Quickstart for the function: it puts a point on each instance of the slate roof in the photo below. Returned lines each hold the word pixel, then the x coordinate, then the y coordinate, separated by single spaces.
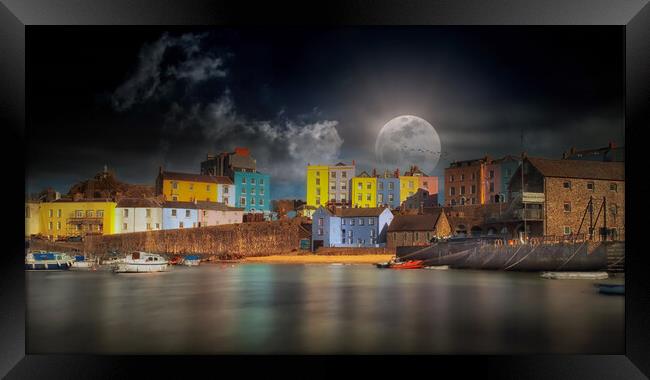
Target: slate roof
pixel 352 212
pixel 216 206
pixel 178 204
pixel 175 176
pixel 138 202
pixel 426 222
pixel 613 171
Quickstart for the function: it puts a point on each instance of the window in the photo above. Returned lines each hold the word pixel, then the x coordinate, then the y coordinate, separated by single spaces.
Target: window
pixel 187 213
pixel 333 196
pixel 380 198
pixel 567 206
pixel 50 214
pixel 381 185
pixel 350 234
pixel 157 226
pixel 317 174
pixel 410 184
pixel 243 190
pixel 491 187
pixel 343 196
pixel 333 174
pixel 320 231
pixel 453 202
pixel 473 189
pixel 205 213
pixel 27 212
pixel 368 197
pixel 225 189
pixel 359 186
pixel 352 224
pixel 473 200
pixel 473 176
pixel 180 224
pixel 613 187
pixel 126 212
pixel 452 191
pixel 253 191
pixel 173 212
pixel 79 213
pixel 391 197
pixel 125 226
pixel 318 181
pixel 100 213
pixel 174 185
pixel 462 190
pixel 50 225
pixel 451 178
pixel 148 212
pixel 252 181
pixel 333 186
pixel 148 226
pixel 369 185
pixel 361 221
pixel 462 177
pixel 343 221
pixel 242 201
pixel 243 180
pixel 590 186
pixel 261 202
pixel 566 184
pixel 567 230
pixel 261 181
pixel 391 186
pixel 360 197
pixel 344 174
pixel 58 213
pixel 372 232
pixel 417 236
pixel 58 225
pixel 89 213
pixel 343 186
pixel 317 200
pixel 491 174
pixel 252 201
pixel 371 221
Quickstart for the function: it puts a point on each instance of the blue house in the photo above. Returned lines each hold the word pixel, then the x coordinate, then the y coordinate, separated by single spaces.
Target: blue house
pixel 179 215
pixel 388 191
pixel 252 191
pixel 350 227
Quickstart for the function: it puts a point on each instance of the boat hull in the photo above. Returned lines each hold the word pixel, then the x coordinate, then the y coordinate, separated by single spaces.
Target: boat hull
pixel 140 268
pixel 48 266
pixel 475 254
pixel 191 263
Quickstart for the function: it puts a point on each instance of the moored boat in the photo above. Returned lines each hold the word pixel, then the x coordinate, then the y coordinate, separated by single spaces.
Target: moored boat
pixel 175 260
pixel 141 262
pixel 613 289
pixel 192 261
pixel 42 260
pixel 410 264
pixel 83 263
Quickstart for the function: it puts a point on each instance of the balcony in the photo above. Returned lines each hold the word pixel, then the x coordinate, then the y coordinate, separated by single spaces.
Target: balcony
pixel 530 214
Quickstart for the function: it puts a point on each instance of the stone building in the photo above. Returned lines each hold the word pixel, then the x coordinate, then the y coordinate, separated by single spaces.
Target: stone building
pixel 414 230
pixel 464 182
pixel 565 197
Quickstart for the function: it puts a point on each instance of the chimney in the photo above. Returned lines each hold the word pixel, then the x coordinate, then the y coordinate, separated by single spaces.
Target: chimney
pixel 374 172
pixel 397 173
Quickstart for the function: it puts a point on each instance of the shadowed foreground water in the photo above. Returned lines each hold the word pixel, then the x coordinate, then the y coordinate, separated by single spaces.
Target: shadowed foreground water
pixel 318 309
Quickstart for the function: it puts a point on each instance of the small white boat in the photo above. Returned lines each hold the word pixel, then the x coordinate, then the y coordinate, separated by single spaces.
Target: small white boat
pixel 112 261
pixel 84 263
pixel 575 275
pixel 191 261
pixel 141 262
pixel 438 267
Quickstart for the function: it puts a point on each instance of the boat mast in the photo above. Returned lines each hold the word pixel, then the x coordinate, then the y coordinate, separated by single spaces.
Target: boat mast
pixel 523 204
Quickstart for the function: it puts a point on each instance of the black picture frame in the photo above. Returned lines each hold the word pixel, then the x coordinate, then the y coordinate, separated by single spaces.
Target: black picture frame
pixel 634 16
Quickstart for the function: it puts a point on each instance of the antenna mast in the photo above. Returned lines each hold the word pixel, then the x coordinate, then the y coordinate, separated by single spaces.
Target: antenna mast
pixel 522 185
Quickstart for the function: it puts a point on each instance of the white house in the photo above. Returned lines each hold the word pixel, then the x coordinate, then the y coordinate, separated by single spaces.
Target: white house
pixel 225 191
pixel 138 214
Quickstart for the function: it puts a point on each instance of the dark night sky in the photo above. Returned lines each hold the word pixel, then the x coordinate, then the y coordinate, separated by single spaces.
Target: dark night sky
pixel 140 97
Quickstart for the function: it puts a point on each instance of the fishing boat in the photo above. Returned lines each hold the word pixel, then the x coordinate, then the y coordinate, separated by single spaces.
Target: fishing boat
pixel 141 262
pixel 192 261
pixel 613 289
pixel 410 264
pixel 42 260
pixel 175 260
pixel 84 263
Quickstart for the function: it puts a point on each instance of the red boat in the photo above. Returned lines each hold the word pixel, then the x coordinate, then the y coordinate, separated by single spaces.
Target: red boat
pixel 175 260
pixel 411 264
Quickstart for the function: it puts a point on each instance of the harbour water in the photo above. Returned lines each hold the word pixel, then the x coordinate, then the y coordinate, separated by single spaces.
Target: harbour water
pixel 318 309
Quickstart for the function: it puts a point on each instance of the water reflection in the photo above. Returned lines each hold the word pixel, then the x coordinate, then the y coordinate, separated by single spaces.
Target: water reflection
pixel 318 309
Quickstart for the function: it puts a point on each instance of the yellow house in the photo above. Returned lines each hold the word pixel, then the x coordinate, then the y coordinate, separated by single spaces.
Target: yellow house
pixel 32 218
pixel 186 187
pixel 364 191
pixel 317 185
pixel 66 217
pixel 408 185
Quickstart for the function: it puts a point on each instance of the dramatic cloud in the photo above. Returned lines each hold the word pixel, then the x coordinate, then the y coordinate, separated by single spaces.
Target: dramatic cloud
pixel 158 69
pixel 282 147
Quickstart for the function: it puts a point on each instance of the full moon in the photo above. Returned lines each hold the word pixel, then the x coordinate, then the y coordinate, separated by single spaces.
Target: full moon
pixel 408 140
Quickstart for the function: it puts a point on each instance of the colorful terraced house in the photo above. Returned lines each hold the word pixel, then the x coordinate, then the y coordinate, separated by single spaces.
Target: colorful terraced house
pixel 364 190
pixel 187 187
pixel 68 217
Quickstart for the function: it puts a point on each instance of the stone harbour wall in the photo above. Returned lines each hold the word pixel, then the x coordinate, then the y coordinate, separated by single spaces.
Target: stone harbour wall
pixel 224 241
